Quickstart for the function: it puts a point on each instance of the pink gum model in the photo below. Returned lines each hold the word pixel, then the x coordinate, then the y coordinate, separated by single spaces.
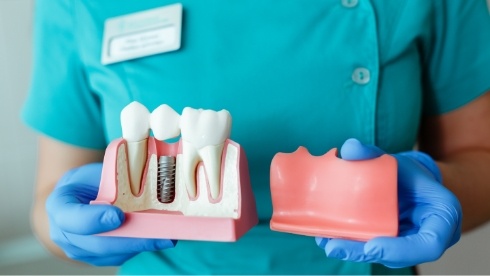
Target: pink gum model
pixel 330 197
pixel 153 223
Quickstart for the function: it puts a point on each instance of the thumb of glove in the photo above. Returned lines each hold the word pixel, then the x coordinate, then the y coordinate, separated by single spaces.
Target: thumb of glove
pixel 72 216
pixel 353 150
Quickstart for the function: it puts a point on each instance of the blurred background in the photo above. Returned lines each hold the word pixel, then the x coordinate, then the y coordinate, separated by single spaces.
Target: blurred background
pixel 20 253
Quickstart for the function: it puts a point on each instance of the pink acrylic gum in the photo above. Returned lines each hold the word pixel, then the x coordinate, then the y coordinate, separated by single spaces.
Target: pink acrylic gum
pixel 330 197
pixel 173 224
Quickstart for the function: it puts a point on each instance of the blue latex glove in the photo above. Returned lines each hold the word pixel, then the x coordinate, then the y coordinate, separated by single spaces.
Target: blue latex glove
pixel 73 222
pixel 430 215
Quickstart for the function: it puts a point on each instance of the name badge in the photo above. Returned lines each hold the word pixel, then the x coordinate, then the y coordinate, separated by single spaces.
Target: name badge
pixel 142 34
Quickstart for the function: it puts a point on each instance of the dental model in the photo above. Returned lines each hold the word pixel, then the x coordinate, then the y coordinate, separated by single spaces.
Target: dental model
pixel 330 197
pixel 197 188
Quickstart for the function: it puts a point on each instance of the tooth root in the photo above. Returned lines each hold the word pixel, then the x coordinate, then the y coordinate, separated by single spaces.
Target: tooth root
pixel 137 154
pixel 135 125
pixel 190 159
pixel 211 157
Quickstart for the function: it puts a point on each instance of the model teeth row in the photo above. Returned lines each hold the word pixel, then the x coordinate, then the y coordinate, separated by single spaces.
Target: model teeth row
pixel 203 133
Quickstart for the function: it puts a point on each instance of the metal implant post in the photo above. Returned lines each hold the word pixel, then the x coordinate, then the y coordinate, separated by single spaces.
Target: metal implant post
pixel 166 179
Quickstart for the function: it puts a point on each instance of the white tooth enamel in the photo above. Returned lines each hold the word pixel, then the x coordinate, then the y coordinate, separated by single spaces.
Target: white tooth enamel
pixel 203 135
pixel 165 123
pixel 135 123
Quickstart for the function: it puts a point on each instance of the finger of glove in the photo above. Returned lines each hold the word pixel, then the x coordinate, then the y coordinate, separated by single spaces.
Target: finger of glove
pixel 321 242
pixel 116 260
pixel 347 250
pixel 447 214
pixel 83 246
pixel 413 175
pixel 68 213
pixel 428 198
pixel 427 245
pixel 425 162
pixel 431 203
pixel 115 256
pixel 87 174
pixel 353 149
pixel 83 255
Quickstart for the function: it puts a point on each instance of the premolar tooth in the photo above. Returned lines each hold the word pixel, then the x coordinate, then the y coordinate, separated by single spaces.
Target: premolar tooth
pixel 135 123
pixel 203 135
pixel 165 123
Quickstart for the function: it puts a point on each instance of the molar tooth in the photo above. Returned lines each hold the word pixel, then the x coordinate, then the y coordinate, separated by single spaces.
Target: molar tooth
pixel 203 135
pixel 135 125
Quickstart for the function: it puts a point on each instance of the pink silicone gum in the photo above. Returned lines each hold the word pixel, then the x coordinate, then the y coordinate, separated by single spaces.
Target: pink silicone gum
pixel 171 224
pixel 330 197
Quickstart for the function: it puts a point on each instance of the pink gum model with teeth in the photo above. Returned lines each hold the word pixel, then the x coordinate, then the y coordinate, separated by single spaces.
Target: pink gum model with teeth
pixel 225 218
pixel 330 197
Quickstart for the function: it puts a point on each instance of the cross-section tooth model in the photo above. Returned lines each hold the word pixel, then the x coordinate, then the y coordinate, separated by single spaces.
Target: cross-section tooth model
pixel 197 188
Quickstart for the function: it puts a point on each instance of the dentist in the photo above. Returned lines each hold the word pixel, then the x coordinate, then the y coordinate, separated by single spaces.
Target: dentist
pixel 392 74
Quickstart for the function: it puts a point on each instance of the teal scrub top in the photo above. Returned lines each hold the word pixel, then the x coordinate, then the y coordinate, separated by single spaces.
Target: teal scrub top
pixel 292 73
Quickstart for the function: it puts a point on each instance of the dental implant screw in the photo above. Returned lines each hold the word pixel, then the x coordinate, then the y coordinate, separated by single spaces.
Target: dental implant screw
pixel 166 179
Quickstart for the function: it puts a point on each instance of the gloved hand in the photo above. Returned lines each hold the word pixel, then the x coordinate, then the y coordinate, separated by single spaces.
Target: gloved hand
pixel 429 215
pixel 73 222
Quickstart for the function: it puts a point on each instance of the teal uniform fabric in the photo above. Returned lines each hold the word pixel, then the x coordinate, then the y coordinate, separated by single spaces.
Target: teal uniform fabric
pixel 292 73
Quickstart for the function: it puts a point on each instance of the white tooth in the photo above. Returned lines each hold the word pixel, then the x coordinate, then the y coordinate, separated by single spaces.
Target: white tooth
pixel 135 123
pixel 165 123
pixel 203 135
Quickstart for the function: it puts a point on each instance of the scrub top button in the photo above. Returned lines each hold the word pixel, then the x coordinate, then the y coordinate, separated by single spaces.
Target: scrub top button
pixel 350 3
pixel 361 75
